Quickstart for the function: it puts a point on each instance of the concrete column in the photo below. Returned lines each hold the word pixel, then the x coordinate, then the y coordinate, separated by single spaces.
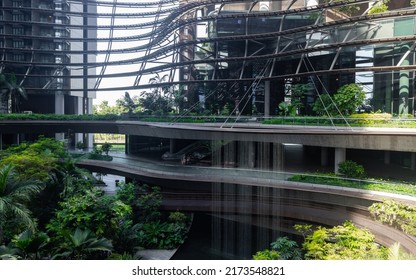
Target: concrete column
pixel 246 154
pixel 89 138
pixel 59 110
pixel 324 156
pixel 263 155
pixel 387 157
pixel 404 93
pixel 230 151
pixel 127 144
pixel 172 146
pixel 78 110
pixel 267 99
pixel 340 156
pixel 278 157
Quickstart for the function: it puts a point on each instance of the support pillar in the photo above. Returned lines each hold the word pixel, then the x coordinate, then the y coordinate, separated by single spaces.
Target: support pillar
pixel 278 156
pixel 246 155
pixel 59 110
pixel 324 156
pixel 172 146
pixel 230 151
pixel 387 157
pixel 267 99
pixel 340 156
pixel 263 155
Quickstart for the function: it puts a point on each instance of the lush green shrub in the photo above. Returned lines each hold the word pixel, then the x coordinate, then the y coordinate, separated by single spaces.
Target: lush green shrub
pixel 396 214
pixel 267 255
pixel 343 242
pixel 351 169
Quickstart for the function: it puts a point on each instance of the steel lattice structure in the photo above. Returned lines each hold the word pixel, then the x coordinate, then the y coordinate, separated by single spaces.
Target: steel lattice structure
pixel 198 44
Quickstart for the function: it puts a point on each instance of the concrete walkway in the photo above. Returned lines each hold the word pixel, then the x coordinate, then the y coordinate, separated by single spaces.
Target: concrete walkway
pixel 156 254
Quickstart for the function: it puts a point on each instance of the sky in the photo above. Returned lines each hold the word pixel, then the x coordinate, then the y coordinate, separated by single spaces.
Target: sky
pixel 112 96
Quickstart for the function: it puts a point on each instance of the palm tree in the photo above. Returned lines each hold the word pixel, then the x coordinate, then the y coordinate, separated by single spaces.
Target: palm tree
pixel 157 80
pixel 81 244
pixel 10 94
pixel 14 195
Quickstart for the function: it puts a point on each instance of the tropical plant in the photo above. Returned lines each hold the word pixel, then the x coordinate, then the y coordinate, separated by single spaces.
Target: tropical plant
pixel 106 147
pixel 379 7
pixel 345 102
pixel 157 80
pixel 148 204
pixel 343 242
pixel 351 169
pixel 35 160
pixel 90 209
pixel 395 252
pixel 15 194
pixel 349 97
pixel 325 105
pixel 154 103
pixel 297 96
pixel 286 109
pixel 10 94
pixel 9 253
pixel 161 235
pixel 128 104
pixel 397 214
pixel 281 249
pixel 287 249
pixel 83 244
pixel 31 245
pixel 266 255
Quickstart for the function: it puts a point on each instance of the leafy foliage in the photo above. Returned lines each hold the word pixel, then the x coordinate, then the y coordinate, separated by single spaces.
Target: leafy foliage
pixel 334 180
pixel 15 195
pixel 28 245
pixel 399 215
pixel 90 209
pixel 10 93
pixel 345 101
pixel 82 244
pixel 281 249
pixel 379 7
pixel 35 160
pixel 155 230
pixel 351 169
pixel 343 242
pixel 286 109
pixel 266 255
pixel 288 249
pixel 161 235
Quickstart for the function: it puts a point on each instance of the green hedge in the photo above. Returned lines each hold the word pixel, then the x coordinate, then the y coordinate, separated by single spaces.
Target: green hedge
pixel 333 180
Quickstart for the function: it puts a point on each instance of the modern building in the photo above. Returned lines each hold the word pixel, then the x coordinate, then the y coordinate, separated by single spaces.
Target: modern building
pixel 253 53
pixel 260 49
pixel 45 44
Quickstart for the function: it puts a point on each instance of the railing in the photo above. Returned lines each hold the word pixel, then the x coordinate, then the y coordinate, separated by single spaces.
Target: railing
pixel 393 122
